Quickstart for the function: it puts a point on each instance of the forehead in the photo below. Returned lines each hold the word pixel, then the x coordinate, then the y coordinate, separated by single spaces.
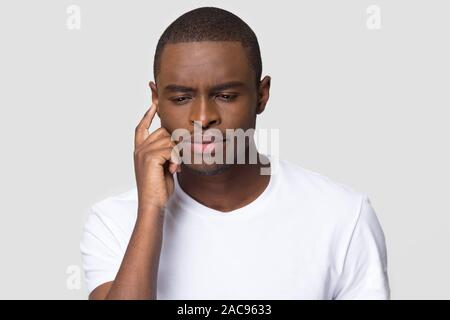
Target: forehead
pixel 204 63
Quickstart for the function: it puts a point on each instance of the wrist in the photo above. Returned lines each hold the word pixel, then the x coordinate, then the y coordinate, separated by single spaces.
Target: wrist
pixel 151 209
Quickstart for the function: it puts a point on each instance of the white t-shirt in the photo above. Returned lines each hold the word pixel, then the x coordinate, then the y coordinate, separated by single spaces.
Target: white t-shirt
pixel 304 237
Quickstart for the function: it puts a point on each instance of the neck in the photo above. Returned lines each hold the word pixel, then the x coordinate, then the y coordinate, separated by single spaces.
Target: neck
pixel 233 188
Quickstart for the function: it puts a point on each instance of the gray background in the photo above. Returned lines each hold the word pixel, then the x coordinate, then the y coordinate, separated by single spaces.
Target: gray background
pixel 368 108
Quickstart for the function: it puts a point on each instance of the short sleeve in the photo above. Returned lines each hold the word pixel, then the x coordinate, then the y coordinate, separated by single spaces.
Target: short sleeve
pixel 100 250
pixel 364 274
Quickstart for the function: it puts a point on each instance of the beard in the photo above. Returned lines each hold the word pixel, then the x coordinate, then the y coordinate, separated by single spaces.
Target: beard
pixel 206 169
pixel 211 167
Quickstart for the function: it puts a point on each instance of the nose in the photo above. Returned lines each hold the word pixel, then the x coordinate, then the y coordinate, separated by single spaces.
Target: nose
pixel 204 113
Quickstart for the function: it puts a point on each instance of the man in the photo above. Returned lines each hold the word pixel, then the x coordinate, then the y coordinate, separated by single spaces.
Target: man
pixel 223 230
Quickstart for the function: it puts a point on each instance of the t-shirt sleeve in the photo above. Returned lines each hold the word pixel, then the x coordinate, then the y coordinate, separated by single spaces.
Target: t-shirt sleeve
pixel 100 250
pixel 364 273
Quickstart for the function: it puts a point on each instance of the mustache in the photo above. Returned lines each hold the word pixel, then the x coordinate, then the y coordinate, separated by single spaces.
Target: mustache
pixel 199 137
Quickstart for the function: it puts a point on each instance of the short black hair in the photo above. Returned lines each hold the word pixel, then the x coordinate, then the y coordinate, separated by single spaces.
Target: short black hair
pixel 210 24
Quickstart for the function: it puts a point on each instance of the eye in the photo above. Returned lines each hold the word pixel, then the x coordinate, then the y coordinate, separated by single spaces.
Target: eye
pixel 227 97
pixel 180 100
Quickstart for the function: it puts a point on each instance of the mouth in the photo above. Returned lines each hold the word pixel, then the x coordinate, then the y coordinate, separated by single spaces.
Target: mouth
pixel 205 146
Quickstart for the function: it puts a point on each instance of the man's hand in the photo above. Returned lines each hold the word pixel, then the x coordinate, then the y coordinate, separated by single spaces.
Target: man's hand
pixel 153 165
pixel 138 273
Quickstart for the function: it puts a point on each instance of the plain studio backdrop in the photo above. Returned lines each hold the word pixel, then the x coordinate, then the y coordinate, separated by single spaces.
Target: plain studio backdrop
pixel 366 106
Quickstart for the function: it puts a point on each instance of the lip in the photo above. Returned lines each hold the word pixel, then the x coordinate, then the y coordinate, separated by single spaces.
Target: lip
pixel 203 139
pixel 206 147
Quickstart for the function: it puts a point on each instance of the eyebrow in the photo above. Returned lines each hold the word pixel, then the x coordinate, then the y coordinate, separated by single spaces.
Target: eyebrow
pixel 218 87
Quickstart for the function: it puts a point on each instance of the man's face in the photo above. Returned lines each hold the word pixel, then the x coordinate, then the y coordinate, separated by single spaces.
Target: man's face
pixel 208 85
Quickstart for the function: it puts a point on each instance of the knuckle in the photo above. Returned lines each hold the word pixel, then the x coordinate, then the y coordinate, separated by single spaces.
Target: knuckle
pixel 164 132
pixel 147 158
pixel 168 150
pixel 140 156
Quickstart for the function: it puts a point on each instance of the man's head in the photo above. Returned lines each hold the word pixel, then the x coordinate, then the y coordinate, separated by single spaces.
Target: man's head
pixel 207 70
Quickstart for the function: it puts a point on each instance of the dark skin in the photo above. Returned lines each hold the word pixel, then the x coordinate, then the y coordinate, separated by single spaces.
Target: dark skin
pixel 198 70
pixel 201 67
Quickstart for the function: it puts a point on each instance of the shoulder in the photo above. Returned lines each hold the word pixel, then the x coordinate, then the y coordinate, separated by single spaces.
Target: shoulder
pixel 316 185
pixel 113 216
pixel 117 204
pixel 329 201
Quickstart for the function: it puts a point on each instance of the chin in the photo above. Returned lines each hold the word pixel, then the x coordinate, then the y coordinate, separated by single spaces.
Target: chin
pixel 206 169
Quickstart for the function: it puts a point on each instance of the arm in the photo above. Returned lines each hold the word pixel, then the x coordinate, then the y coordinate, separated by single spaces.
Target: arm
pixel 137 276
pixel 154 166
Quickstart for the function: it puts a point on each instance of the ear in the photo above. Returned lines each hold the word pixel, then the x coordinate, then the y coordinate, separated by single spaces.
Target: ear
pixel 155 98
pixel 263 94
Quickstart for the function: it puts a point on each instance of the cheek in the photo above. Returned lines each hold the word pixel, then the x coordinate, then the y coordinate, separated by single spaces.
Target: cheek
pixel 241 116
pixel 171 118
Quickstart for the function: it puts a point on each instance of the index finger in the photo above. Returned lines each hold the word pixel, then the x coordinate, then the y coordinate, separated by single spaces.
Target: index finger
pixel 142 128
